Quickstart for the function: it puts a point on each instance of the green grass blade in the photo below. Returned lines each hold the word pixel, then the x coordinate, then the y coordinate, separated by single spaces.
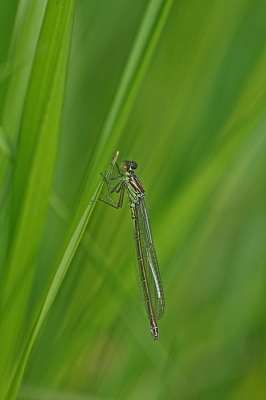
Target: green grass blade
pixel 136 66
pixel 53 290
pixel 16 68
pixel 32 178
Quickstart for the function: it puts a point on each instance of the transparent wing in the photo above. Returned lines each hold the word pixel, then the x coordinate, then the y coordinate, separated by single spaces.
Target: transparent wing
pixel 146 264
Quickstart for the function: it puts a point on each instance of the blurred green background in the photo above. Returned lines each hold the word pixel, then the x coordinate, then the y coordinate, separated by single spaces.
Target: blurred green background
pixel 197 128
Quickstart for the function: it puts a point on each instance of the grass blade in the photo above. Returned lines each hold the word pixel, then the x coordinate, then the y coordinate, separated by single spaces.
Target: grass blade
pixel 53 290
pixel 31 181
pixel 128 86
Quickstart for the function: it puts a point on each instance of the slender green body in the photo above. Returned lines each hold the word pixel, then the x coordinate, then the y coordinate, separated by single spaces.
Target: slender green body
pixel 146 264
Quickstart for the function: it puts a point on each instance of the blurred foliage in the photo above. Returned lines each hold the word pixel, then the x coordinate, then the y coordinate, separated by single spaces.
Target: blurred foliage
pixel 194 118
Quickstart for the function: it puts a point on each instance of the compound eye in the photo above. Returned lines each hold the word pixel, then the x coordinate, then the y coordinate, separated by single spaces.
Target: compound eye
pixel 123 166
pixel 134 165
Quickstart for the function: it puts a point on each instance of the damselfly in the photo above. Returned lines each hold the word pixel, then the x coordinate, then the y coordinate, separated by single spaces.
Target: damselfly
pixel 146 264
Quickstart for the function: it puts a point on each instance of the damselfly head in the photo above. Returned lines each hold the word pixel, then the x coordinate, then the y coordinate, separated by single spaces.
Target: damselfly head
pixel 128 165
